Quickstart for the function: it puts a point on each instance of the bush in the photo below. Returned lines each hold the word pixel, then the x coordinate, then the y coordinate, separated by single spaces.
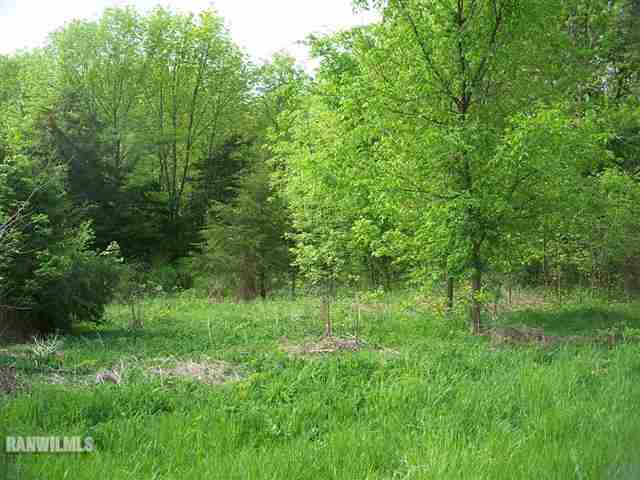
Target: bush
pixel 74 283
pixel 47 264
pixel 165 276
pixel 141 280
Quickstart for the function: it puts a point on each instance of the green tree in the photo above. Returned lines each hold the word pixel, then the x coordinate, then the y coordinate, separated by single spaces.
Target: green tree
pixel 101 64
pixel 245 245
pixel 195 89
pixel 450 121
pixel 146 103
pixel 338 224
pixel 46 263
pixel 46 260
pixel 95 127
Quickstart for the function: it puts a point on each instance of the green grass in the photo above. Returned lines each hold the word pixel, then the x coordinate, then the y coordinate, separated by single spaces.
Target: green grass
pixel 423 400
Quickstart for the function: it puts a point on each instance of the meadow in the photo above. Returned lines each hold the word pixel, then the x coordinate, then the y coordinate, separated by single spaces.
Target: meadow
pixel 244 391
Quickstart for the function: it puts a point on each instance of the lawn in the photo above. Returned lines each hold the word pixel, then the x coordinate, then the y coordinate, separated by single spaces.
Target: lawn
pixel 227 391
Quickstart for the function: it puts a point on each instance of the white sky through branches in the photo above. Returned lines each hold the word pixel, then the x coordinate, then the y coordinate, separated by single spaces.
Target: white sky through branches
pixel 261 27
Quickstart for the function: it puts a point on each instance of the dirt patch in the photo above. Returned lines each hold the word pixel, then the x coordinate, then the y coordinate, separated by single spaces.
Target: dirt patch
pixel 323 346
pixel 518 334
pixel 536 336
pixel 210 372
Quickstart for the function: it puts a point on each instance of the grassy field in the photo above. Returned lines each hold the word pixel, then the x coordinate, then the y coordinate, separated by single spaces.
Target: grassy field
pixel 225 391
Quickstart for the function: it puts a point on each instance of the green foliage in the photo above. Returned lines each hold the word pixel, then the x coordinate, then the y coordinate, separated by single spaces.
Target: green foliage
pixel 246 248
pixel 46 260
pixel 339 220
pixel 456 163
pixel 71 282
pixel 146 105
pixel 448 141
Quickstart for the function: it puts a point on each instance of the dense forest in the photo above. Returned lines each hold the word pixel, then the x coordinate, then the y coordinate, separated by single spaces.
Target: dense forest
pixel 466 146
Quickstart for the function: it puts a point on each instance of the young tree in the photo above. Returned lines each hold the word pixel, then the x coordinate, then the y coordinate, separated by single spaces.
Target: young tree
pixel 338 222
pixel 246 236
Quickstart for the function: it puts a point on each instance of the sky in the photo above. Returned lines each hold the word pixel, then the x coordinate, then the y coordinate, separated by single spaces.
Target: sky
pixel 261 27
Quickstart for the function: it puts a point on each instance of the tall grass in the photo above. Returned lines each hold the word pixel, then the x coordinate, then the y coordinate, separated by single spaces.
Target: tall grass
pixel 423 400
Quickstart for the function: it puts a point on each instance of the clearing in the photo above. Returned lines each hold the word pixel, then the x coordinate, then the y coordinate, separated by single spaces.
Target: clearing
pixel 230 391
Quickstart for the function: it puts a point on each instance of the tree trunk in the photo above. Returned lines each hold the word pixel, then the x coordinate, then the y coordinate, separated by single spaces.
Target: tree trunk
pixel 248 282
pixel 293 284
pixel 263 285
pixel 325 314
pixel 476 306
pixel 631 273
pixel 545 263
pixel 450 291
pixel 372 272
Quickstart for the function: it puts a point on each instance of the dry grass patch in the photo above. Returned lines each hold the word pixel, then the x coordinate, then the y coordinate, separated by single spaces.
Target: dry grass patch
pixel 205 370
pixel 208 371
pixel 325 345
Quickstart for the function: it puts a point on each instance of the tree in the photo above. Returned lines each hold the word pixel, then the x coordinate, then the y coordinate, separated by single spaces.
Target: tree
pixel 95 127
pixel 145 104
pixel 246 236
pixel 245 240
pixel 101 64
pixel 465 144
pixel 195 90
pixel 46 261
pixel 338 225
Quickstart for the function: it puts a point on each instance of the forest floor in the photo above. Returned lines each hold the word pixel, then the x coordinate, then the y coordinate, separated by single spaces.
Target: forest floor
pixel 227 391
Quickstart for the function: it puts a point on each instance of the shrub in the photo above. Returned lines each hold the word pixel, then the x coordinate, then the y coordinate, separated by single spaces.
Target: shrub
pixel 133 286
pixel 47 263
pixel 72 282
pixel 165 276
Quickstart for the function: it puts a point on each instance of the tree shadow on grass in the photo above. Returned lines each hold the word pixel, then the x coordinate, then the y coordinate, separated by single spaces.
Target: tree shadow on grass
pixel 114 340
pixel 580 320
pixel 117 333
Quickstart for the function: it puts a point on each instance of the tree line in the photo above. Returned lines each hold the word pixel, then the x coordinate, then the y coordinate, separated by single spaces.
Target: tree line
pixel 452 142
